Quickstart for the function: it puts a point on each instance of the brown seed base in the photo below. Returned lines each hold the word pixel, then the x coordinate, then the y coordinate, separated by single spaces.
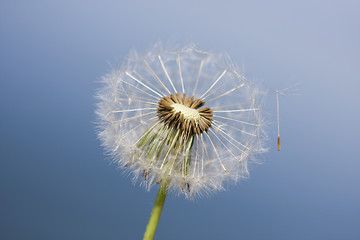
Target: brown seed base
pixel 176 120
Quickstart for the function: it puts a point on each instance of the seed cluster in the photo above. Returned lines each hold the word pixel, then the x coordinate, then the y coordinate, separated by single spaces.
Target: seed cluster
pixel 185 114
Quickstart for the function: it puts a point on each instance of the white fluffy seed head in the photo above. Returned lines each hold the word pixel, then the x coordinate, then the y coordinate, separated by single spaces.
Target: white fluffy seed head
pixel 182 114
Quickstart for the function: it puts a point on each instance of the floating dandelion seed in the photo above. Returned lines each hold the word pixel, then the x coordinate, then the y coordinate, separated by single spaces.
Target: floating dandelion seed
pixel 182 115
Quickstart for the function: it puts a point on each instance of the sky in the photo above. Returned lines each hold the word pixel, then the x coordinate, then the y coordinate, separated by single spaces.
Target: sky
pixel 57 183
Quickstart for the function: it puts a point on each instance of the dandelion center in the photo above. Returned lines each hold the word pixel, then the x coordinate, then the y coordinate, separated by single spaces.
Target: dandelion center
pixel 185 114
pixel 188 113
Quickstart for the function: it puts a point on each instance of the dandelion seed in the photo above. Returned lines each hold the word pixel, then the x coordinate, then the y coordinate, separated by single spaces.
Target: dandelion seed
pixel 282 92
pixel 278 119
pixel 181 115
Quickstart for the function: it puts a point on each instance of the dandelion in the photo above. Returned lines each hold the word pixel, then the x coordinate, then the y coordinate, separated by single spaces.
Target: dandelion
pixel 184 118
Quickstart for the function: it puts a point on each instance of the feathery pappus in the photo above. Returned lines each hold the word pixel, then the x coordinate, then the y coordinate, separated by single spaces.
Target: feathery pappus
pixel 181 114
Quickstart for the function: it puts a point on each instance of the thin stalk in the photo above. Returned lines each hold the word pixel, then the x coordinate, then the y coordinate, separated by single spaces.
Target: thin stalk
pixel 156 211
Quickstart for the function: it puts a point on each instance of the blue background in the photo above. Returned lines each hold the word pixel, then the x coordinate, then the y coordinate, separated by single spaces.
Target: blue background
pixel 55 182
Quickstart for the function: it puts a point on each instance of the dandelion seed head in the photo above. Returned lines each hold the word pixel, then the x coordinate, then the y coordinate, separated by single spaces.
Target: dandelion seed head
pixel 181 114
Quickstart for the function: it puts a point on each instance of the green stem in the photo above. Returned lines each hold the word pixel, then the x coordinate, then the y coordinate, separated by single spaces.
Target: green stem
pixel 156 211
